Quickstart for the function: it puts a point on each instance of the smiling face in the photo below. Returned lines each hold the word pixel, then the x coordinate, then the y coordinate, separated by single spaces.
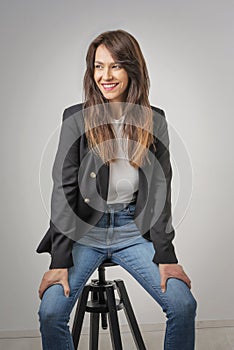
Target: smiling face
pixel 110 77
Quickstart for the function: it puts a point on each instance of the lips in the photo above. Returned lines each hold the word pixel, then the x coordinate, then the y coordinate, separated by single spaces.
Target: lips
pixel 109 86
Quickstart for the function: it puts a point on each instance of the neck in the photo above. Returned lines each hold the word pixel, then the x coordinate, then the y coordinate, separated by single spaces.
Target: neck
pixel 116 110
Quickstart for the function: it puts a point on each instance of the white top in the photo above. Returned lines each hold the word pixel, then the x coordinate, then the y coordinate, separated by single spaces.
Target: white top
pixel 124 178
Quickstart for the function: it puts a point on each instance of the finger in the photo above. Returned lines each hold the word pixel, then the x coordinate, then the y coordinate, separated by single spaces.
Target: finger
pixel 189 284
pixel 186 280
pixel 41 291
pixel 43 286
pixel 163 284
pixel 66 288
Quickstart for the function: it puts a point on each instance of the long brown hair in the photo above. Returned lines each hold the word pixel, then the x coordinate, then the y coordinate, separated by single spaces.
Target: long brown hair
pixel 138 123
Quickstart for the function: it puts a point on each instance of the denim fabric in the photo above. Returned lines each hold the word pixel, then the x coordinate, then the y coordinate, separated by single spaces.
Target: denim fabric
pixel 116 237
pixel 116 227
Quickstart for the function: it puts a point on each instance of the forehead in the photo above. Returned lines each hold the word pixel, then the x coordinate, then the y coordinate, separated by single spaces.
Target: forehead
pixel 103 55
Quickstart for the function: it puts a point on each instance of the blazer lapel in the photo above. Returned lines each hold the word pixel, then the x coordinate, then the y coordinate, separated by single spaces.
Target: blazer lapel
pixel 102 180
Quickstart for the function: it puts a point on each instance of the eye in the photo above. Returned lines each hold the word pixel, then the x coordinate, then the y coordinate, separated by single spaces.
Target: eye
pixel 98 66
pixel 117 66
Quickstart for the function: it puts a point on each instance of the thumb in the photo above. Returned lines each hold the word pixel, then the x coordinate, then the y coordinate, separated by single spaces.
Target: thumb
pixel 66 288
pixel 163 284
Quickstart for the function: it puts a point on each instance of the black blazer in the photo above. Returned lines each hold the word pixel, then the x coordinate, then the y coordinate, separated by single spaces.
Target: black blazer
pixel 80 188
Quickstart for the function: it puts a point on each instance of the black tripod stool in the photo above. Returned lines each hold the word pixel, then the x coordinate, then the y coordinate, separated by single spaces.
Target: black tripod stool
pixel 103 302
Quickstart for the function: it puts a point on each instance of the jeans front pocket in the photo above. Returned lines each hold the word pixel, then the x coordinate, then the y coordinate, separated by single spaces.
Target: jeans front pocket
pixel 132 208
pixel 129 210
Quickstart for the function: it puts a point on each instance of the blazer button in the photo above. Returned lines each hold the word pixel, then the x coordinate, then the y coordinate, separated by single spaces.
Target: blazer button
pixel 92 174
pixel 86 200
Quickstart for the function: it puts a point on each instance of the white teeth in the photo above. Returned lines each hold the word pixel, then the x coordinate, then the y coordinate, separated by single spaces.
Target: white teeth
pixel 109 85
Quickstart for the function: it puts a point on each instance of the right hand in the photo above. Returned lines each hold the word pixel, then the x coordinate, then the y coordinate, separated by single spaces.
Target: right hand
pixel 55 276
pixel 172 271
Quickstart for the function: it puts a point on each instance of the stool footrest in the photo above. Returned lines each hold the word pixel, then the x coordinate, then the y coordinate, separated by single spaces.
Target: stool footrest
pixel 93 306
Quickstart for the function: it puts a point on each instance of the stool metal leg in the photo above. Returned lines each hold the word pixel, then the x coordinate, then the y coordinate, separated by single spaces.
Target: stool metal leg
pixel 79 316
pixel 104 321
pixel 130 315
pixel 94 331
pixel 102 281
pixel 103 315
pixel 113 319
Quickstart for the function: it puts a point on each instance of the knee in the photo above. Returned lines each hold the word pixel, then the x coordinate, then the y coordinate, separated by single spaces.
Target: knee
pixel 190 306
pixel 51 321
pixel 184 308
pixel 181 302
pixel 51 315
pixel 54 306
pixel 47 315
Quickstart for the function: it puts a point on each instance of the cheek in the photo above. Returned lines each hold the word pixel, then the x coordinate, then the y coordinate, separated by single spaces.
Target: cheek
pixel 125 84
pixel 125 81
pixel 96 76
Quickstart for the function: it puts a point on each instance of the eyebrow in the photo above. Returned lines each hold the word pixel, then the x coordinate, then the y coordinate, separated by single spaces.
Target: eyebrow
pixel 103 63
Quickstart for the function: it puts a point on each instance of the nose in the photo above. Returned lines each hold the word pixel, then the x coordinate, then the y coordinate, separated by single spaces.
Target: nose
pixel 107 75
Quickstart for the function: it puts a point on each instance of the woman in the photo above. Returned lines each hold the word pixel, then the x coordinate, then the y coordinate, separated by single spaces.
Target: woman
pixel 112 196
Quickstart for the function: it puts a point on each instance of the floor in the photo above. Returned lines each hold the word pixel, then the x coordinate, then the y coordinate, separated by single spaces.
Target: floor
pixel 209 336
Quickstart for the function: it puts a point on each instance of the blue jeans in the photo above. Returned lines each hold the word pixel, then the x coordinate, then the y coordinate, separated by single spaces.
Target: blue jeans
pixel 116 237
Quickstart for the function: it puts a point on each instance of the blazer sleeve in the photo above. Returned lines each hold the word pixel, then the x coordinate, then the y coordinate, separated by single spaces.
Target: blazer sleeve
pixel 57 240
pixel 162 232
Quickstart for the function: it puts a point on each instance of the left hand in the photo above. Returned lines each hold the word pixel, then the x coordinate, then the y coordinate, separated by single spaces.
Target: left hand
pixel 55 276
pixel 172 271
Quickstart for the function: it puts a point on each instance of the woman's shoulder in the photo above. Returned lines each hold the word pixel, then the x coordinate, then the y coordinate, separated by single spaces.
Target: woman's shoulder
pixel 159 121
pixel 158 110
pixel 71 110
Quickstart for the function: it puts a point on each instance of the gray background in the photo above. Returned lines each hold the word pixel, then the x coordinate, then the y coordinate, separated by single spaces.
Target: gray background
pixel 188 47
